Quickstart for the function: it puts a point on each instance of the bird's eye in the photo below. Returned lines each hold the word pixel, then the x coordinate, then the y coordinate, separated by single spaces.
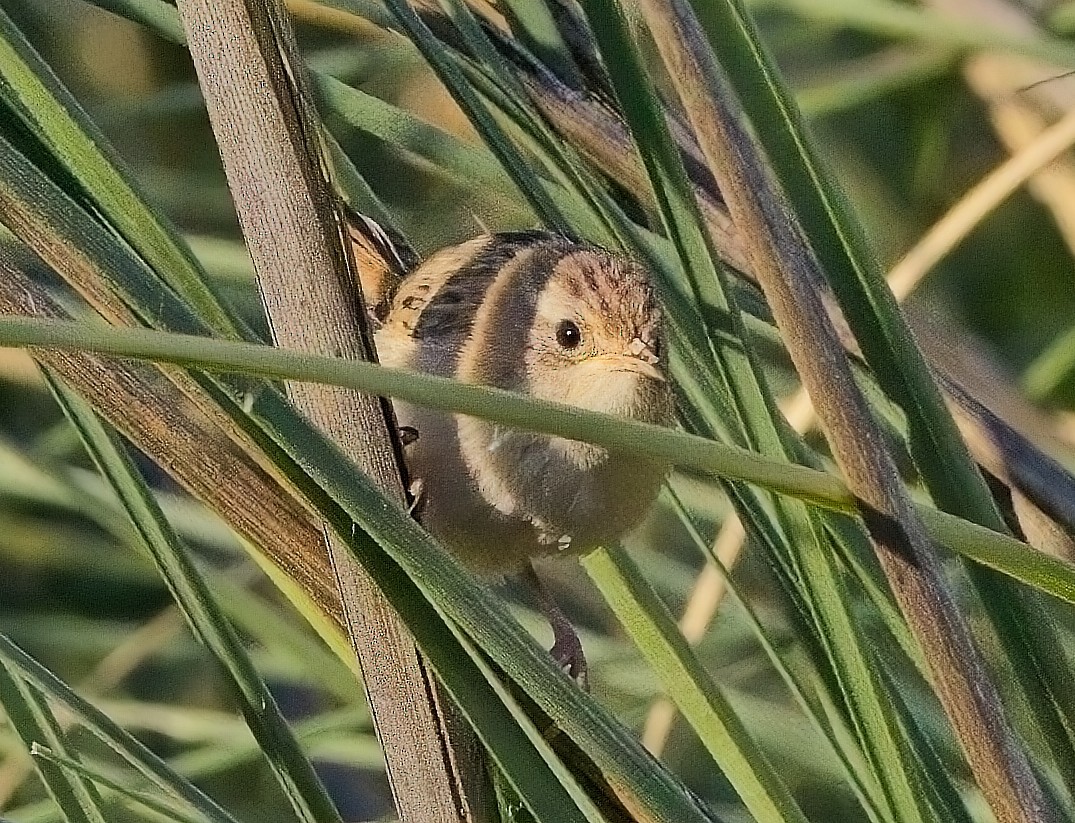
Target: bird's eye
pixel 568 334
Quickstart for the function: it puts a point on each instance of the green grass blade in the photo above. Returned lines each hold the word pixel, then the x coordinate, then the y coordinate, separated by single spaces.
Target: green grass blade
pixel 465 95
pixel 852 270
pixel 826 599
pixel 35 724
pixel 1053 370
pixel 872 78
pixel 401 129
pixel 97 723
pixel 30 89
pixel 687 683
pixel 541 791
pixel 992 549
pixel 535 27
pixel 851 761
pixel 434 392
pixel 427 577
pixel 1027 633
pixel 292 768
pixel 154 14
pixel 159 805
pixel 883 18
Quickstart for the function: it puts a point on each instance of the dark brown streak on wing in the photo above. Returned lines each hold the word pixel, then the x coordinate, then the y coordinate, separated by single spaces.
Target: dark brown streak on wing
pixel 448 316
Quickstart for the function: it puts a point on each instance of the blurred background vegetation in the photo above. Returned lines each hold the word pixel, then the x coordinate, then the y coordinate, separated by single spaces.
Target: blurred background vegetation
pixel 896 119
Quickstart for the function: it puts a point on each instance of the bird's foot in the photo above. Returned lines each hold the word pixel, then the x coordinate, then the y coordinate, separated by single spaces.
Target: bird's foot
pixel 416 498
pixel 566 646
pixel 568 653
pixel 550 537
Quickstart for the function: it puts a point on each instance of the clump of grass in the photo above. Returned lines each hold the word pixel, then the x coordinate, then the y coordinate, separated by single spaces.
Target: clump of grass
pixel 865 671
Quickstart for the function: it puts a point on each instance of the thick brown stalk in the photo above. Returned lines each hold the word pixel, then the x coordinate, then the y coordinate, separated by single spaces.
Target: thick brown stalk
pixel 269 140
pixel 788 274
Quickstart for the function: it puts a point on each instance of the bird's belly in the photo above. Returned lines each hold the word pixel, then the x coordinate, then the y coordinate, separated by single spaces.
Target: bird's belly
pixel 496 503
pixel 452 507
pixel 496 497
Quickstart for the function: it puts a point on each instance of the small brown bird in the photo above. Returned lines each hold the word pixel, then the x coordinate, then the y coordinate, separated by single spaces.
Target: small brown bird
pixel 539 314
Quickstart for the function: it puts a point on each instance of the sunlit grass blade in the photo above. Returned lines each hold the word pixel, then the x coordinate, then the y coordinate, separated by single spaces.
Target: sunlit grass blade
pixel 434 392
pixel 690 687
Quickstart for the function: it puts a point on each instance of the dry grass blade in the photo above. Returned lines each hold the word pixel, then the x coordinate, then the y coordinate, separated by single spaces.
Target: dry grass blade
pixel 788 275
pixel 978 203
pixel 1042 491
pixel 270 142
pixel 995 445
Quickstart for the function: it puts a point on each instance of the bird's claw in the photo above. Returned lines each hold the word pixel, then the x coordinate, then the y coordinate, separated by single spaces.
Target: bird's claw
pixel 416 498
pixel 567 652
